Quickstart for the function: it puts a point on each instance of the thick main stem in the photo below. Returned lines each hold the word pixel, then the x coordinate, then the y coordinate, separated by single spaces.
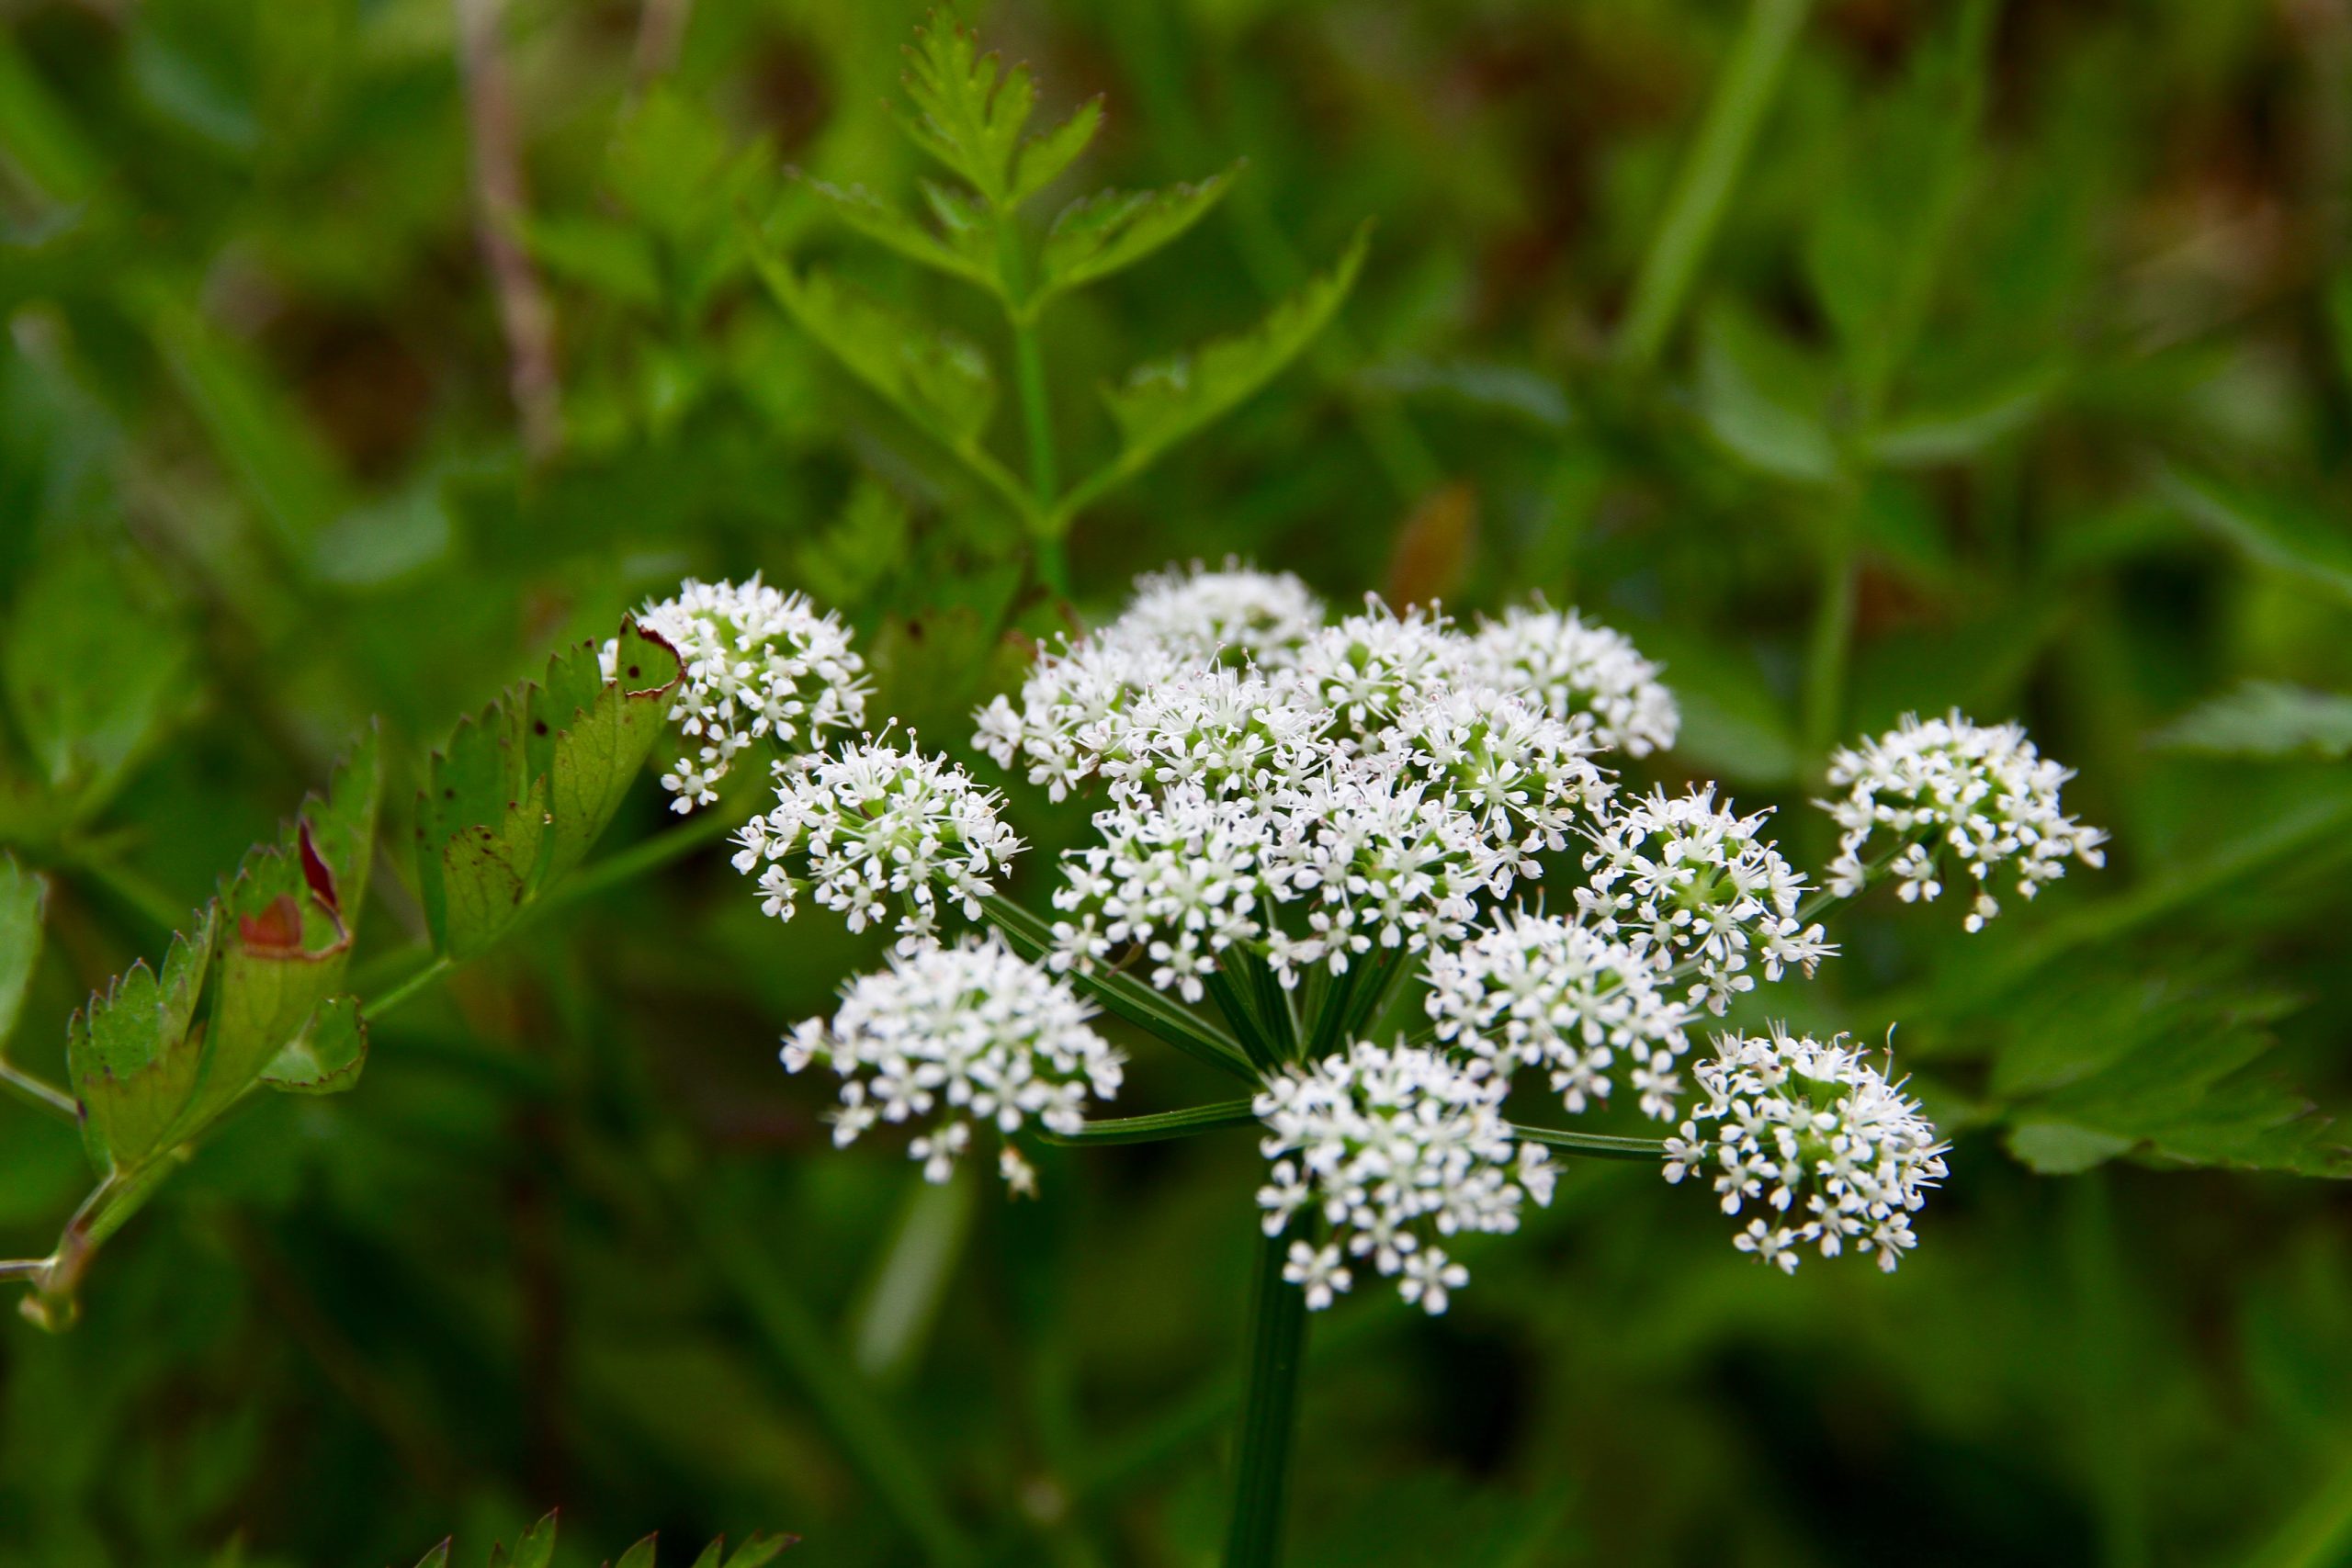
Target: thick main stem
pixel 1269 1411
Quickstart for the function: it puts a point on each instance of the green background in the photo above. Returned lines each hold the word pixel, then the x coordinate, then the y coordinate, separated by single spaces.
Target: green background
pixel 2016 374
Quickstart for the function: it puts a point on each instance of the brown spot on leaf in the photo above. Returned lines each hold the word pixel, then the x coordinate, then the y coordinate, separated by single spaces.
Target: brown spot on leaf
pixel 276 929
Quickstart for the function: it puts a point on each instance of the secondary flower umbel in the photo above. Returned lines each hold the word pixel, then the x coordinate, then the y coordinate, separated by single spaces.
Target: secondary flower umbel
pixel 957 1036
pixel 1816 1136
pixel 873 822
pixel 1979 794
pixel 1394 1148
pixel 760 664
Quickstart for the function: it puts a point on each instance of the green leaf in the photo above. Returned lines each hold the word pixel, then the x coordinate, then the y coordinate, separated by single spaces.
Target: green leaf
pixel 758 1551
pixel 2286 536
pixel 534 1551
pixel 966 251
pixel 860 548
pixel 1958 430
pixel 130 1056
pixel 939 381
pixel 969 112
pixel 22 894
pixel 642 1555
pixel 1095 237
pixel 1758 397
pixel 1163 402
pixel 2057 1148
pixel 436 1558
pixel 2265 718
pixel 523 790
pixel 611 259
pixel 1049 153
pixel 92 672
pixel 326 1058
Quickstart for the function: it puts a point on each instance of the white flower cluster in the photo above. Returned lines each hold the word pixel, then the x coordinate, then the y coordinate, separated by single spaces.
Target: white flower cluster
pixel 1587 674
pixel 960 1035
pixel 1538 991
pixel 1981 792
pixel 1394 1148
pixel 1816 1134
pixel 759 664
pixel 1694 885
pixel 871 822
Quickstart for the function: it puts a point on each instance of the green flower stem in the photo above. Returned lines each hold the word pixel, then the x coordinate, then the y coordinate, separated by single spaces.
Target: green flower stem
pixel 408 990
pixel 1269 1411
pixel 1126 998
pixel 1164 1126
pixel 38 1093
pixel 1603 1145
pixel 1830 650
pixel 1750 80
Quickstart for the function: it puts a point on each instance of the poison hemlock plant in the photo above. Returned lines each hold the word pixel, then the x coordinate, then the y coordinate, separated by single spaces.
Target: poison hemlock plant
pixel 1322 864
pixel 970 113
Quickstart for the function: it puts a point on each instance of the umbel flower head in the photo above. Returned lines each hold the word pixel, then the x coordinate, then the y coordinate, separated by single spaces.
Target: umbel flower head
pixel 1980 796
pixel 1395 1149
pixel 759 664
pixel 1586 675
pixel 873 822
pixel 1540 992
pixel 1700 889
pixel 954 1037
pixel 1817 1136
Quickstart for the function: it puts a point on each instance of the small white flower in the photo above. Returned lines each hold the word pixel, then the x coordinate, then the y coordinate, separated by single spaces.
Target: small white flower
pixel 874 823
pixel 954 1037
pixel 1580 672
pixel 1544 992
pixel 1816 1133
pixel 1319 1271
pixel 1980 797
pixel 1375 665
pixel 1396 1147
pixel 1236 613
pixel 1690 884
pixel 758 665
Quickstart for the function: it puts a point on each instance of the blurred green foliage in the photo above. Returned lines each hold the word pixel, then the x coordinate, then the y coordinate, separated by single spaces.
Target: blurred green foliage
pixel 1853 357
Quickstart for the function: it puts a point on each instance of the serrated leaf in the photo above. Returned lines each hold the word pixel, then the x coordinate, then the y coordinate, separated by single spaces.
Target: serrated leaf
pixel 1757 398
pixel 22 894
pixel 534 1551
pixel 642 1555
pixel 963 251
pixel 969 112
pixel 523 790
pixel 589 738
pixel 936 380
pixel 131 1055
pixel 436 1558
pixel 1049 152
pixel 1163 402
pixel 326 1058
pixel 91 673
pixel 2265 718
pixel 1095 237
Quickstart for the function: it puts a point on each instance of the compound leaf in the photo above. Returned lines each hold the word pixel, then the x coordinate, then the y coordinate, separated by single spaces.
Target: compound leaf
pixel 1163 402
pixel 1049 152
pixel 970 111
pixel 937 380
pixel 965 251
pixel 1095 237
